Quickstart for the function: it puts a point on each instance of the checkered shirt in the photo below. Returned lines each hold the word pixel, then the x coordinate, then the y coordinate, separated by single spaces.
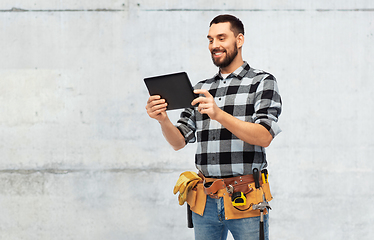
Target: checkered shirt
pixel 248 94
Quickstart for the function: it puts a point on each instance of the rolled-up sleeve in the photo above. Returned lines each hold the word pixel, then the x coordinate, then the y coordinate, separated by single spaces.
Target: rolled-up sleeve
pixel 268 105
pixel 187 125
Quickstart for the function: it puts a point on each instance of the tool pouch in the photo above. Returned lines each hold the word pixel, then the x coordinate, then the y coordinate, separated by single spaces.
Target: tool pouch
pixel 196 198
pixel 253 197
pixel 211 188
pixel 267 193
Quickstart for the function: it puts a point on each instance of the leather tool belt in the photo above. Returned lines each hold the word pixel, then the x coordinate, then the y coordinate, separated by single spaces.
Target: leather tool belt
pixel 233 184
pixel 216 188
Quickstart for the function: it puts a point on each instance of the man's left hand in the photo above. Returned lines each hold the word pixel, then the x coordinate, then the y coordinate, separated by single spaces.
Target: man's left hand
pixel 207 105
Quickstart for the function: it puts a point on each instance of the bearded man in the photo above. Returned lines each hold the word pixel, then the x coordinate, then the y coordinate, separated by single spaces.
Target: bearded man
pixel 234 121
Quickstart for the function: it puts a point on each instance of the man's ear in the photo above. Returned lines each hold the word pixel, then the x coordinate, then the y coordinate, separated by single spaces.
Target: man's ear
pixel 239 40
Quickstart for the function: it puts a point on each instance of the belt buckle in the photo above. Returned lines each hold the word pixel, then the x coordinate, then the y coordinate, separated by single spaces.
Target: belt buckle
pixel 230 189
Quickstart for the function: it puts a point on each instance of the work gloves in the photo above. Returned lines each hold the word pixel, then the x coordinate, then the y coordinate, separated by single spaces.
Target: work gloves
pixel 187 181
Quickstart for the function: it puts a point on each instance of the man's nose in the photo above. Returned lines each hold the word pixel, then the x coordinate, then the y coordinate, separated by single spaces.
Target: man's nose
pixel 215 44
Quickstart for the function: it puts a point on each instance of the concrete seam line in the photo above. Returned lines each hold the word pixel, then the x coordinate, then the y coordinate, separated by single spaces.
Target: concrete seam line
pixel 62 10
pixel 259 10
pixel 14 9
pixel 107 170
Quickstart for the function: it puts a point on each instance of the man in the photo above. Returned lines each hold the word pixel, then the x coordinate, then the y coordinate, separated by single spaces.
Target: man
pixel 235 120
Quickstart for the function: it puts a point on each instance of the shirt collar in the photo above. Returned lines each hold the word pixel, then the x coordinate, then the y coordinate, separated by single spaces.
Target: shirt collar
pixel 239 73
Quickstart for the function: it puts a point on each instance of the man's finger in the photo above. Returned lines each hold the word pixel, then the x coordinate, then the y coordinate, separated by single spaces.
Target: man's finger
pixel 155 102
pixel 153 97
pixel 197 100
pixel 158 106
pixel 205 92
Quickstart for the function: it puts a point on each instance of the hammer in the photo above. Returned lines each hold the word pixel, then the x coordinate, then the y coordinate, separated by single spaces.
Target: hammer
pixel 261 206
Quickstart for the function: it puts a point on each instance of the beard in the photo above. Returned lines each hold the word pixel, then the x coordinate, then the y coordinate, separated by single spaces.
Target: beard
pixel 227 60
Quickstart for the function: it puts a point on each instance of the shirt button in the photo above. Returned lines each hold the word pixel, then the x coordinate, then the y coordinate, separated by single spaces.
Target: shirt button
pixel 224 82
pixel 219 99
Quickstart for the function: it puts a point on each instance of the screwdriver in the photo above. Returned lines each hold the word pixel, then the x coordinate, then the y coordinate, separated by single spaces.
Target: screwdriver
pixel 264 175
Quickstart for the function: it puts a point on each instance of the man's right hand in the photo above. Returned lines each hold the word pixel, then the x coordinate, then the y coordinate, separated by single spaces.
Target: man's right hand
pixel 156 108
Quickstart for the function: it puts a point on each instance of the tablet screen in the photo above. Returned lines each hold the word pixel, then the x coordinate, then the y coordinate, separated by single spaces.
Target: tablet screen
pixel 175 88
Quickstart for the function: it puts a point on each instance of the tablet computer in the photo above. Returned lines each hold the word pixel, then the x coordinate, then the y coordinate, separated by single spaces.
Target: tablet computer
pixel 175 88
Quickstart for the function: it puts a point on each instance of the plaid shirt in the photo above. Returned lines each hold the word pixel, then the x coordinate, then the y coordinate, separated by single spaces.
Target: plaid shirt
pixel 248 94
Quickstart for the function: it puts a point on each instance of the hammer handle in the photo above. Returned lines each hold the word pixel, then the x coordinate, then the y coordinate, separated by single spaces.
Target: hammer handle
pixel 256 176
pixel 262 231
pixel 189 217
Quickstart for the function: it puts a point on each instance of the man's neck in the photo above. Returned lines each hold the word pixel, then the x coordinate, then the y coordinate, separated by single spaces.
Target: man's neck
pixel 235 64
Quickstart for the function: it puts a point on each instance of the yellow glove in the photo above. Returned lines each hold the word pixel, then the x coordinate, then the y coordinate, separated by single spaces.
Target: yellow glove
pixel 183 181
pixel 183 196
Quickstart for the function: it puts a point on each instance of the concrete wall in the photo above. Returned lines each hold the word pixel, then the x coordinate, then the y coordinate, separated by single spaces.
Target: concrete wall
pixel 80 159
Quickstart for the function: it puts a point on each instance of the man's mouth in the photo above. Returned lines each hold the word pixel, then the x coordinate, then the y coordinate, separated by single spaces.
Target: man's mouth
pixel 218 53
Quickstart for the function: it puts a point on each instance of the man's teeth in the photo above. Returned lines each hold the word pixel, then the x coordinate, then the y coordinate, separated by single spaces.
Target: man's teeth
pixel 218 53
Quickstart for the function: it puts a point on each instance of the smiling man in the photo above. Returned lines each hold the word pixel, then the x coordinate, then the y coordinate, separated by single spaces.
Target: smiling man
pixel 235 120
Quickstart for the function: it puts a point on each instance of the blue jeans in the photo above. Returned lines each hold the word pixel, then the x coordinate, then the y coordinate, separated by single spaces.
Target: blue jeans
pixel 213 226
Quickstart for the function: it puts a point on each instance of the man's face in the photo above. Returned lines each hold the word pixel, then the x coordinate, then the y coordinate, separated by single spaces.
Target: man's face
pixel 222 44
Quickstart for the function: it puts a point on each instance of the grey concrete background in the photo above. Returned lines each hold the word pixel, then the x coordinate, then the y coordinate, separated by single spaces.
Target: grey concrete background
pixel 80 159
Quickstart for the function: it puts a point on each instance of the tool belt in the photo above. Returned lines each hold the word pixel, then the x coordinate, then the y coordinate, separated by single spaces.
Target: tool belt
pixel 234 184
pixel 226 187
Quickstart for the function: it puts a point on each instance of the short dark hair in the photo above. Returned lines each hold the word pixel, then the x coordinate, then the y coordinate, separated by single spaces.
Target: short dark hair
pixel 236 25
